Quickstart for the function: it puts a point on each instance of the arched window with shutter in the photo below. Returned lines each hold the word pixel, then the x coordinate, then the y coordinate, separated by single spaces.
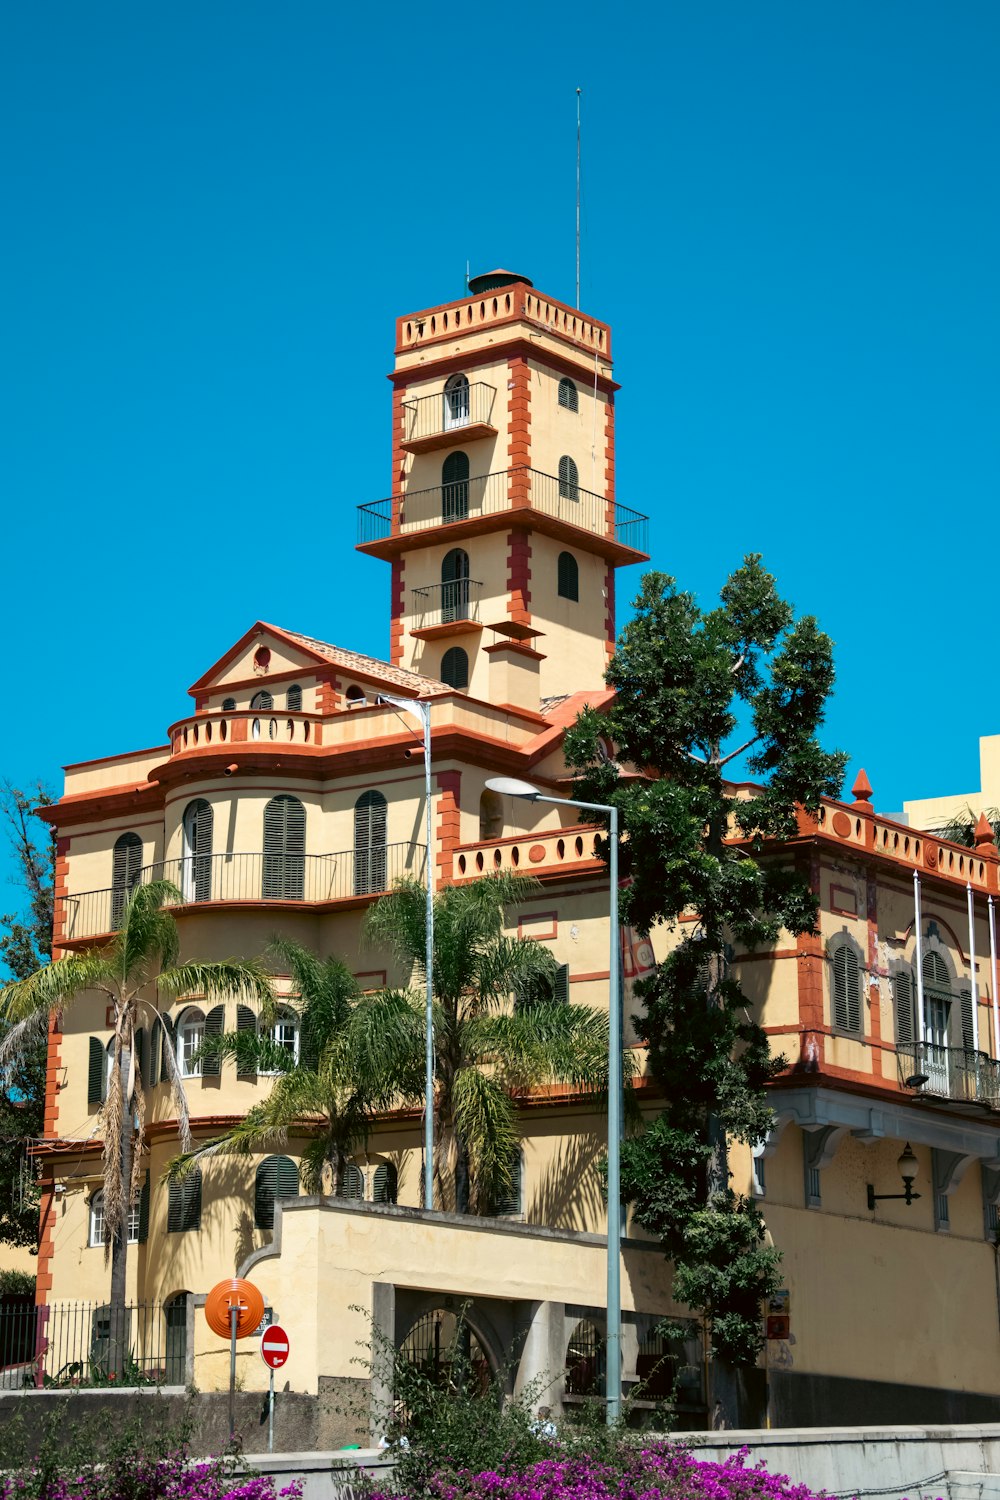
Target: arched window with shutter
pixel 293 700
pixel 370 838
pixel 196 866
pixel 455 487
pixel 190 1035
pixel 568 395
pixel 262 702
pixel 215 1025
pixel 246 1025
pixel 455 667
pixel 968 1022
pixel 184 1203
pixel 126 868
pixel 508 1204
pixel 938 1022
pixel 385 1183
pixel 903 996
pixel 354 1181
pixel 569 479
pixel 228 705
pixel 455 586
pixel 175 1314
pixel 456 402
pixel 98 1069
pixel 568 576
pixel 277 1177
pixel 846 989
pixel 284 849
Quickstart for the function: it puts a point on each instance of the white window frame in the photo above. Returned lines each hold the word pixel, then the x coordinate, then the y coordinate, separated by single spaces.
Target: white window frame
pixel 287 1018
pixel 96 1235
pixel 186 1028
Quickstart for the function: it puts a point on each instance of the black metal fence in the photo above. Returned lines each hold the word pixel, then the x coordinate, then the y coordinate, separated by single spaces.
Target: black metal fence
pixel 957 1073
pixel 70 1344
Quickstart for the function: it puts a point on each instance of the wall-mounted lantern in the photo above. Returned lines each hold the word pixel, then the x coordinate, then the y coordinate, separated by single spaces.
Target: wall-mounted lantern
pixel 908 1169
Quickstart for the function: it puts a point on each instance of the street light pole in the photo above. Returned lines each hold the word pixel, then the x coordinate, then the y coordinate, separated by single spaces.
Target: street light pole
pixel 509 786
pixel 422 710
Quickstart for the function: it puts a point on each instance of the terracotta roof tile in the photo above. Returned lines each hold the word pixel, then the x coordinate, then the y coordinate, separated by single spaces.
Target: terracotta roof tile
pixel 370 665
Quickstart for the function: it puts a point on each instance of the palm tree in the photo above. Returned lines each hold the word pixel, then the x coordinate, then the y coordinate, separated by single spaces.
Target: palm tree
pixel 355 1058
pixel 961 829
pixel 487 1055
pixel 141 957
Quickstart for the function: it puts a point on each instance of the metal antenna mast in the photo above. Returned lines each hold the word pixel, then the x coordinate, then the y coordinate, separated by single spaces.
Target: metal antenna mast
pixel 578 92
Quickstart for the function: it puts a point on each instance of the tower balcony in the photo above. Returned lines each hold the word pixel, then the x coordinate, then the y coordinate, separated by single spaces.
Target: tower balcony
pixel 314 881
pixel 450 608
pixel 452 416
pixel 488 502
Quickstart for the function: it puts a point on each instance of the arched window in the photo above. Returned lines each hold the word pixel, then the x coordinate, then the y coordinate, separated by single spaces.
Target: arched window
pixel 184 1203
pixel 293 700
pixel 284 849
pixel 455 487
pixel 97 1221
pixel 568 396
pixel 126 868
pixel 569 479
pixel 355 696
pixel 262 702
pixel 937 1021
pixel 568 576
pixel 276 1177
pixel 507 1204
pixel 455 586
pixel 175 1313
pixel 846 989
pixel 370 836
pixel 490 815
pixel 455 667
pixel 190 1036
pixel 354 1181
pixel 585 1360
pixel 196 867
pixel 385 1183
pixel 456 402
pixel 228 705
pixel 285 1032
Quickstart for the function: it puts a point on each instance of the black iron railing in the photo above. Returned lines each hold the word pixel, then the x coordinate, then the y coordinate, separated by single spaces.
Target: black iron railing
pixel 88 1344
pixel 247 878
pixel 446 603
pixel 449 411
pixel 957 1073
pixel 492 494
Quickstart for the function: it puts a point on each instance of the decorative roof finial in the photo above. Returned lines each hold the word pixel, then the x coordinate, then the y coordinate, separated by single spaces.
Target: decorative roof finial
pixel 984 834
pixel 861 791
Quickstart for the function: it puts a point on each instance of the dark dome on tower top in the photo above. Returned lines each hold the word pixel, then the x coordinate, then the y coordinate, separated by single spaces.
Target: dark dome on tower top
pixel 491 280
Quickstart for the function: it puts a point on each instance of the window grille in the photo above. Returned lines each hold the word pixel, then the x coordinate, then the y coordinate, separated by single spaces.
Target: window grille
pixel 455 586
pixel 455 487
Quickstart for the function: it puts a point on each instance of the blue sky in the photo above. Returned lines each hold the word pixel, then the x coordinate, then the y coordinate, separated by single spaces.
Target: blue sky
pixel 212 214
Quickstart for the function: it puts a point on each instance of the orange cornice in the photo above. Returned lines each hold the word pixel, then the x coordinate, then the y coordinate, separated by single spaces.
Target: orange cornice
pixel 261 627
pixel 494 354
pixel 109 760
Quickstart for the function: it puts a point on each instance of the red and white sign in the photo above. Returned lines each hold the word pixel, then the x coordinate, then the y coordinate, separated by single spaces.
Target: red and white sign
pixel 274 1347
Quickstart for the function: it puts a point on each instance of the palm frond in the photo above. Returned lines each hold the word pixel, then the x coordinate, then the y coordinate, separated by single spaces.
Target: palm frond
pixel 385 1047
pixel 147 939
pixel 23 1037
pixel 486 1121
pixel 54 985
pixel 253 1052
pixel 399 921
pixel 178 1093
pixel 230 979
pixel 509 1047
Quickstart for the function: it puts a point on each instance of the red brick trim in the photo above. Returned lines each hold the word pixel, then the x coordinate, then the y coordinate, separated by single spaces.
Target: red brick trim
pixel 519 576
pixel 519 431
pixel 396 606
pixel 448 835
pixel 609 610
pixel 874 988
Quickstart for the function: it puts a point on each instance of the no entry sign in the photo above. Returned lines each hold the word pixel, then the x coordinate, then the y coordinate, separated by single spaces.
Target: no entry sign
pixel 274 1347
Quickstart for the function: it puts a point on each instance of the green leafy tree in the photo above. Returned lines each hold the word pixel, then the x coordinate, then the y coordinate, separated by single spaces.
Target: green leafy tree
pixel 26 942
pixel 141 959
pixel 355 1058
pixel 696 693
pixel 486 1054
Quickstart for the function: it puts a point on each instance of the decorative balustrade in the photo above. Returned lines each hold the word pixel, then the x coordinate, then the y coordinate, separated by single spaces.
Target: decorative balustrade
pixel 222 727
pixel 446 603
pixel 955 1073
pixel 240 879
pixel 495 494
pixel 503 305
pixel 920 851
pixel 536 853
pixel 461 412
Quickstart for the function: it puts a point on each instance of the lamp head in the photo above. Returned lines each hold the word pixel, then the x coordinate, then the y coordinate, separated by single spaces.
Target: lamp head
pixel 908 1165
pixel 509 786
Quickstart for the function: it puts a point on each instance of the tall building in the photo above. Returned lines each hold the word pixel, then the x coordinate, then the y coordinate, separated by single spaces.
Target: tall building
pixel 289 797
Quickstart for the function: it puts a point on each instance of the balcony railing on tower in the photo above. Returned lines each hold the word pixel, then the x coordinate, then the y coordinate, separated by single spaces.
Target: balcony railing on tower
pixel 494 494
pixel 450 603
pixel 244 878
pixel 458 413
pixel 956 1073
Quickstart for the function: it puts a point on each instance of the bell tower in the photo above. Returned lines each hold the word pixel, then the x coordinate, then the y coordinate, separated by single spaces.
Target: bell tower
pixel 502 527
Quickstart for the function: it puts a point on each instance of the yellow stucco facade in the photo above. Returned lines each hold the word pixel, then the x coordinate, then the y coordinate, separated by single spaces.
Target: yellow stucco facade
pixel 284 716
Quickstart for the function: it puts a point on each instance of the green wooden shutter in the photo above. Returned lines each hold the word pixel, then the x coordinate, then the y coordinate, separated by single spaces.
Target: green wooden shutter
pixel 568 577
pixel 144 1210
pixel 215 1022
pixel 569 479
pixel 126 867
pixel 568 396
pixel 455 487
pixel 261 701
pixel 246 1021
pixel 560 987
pixel 504 1205
pixel 184 1204
pixel 263 1194
pixel 294 699
pixel 455 667
pixel 936 974
pixel 902 988
pixel 846 990
pixel 968 1030
pixel 371 812
pixel 142 1054
pixel 286 1178
pixel 354 1182
pixel 96 1072
pixel 167 1041
pixel 385 1184
pixel 198 822
pixel 175 1207
pixel 284 849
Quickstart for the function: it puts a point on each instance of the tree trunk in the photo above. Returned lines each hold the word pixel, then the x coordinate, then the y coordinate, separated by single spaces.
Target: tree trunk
pixel 462 1178
pixel 118 1330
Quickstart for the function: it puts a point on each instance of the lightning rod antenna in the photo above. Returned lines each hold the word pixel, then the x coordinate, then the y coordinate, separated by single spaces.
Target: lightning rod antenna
pixel 578 93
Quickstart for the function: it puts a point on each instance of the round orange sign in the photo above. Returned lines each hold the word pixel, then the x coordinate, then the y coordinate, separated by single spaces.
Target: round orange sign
pixel 242 1295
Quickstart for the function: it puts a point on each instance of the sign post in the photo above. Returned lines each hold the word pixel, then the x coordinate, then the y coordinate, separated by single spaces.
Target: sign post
pixel 274 1350
pixel 233 1309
